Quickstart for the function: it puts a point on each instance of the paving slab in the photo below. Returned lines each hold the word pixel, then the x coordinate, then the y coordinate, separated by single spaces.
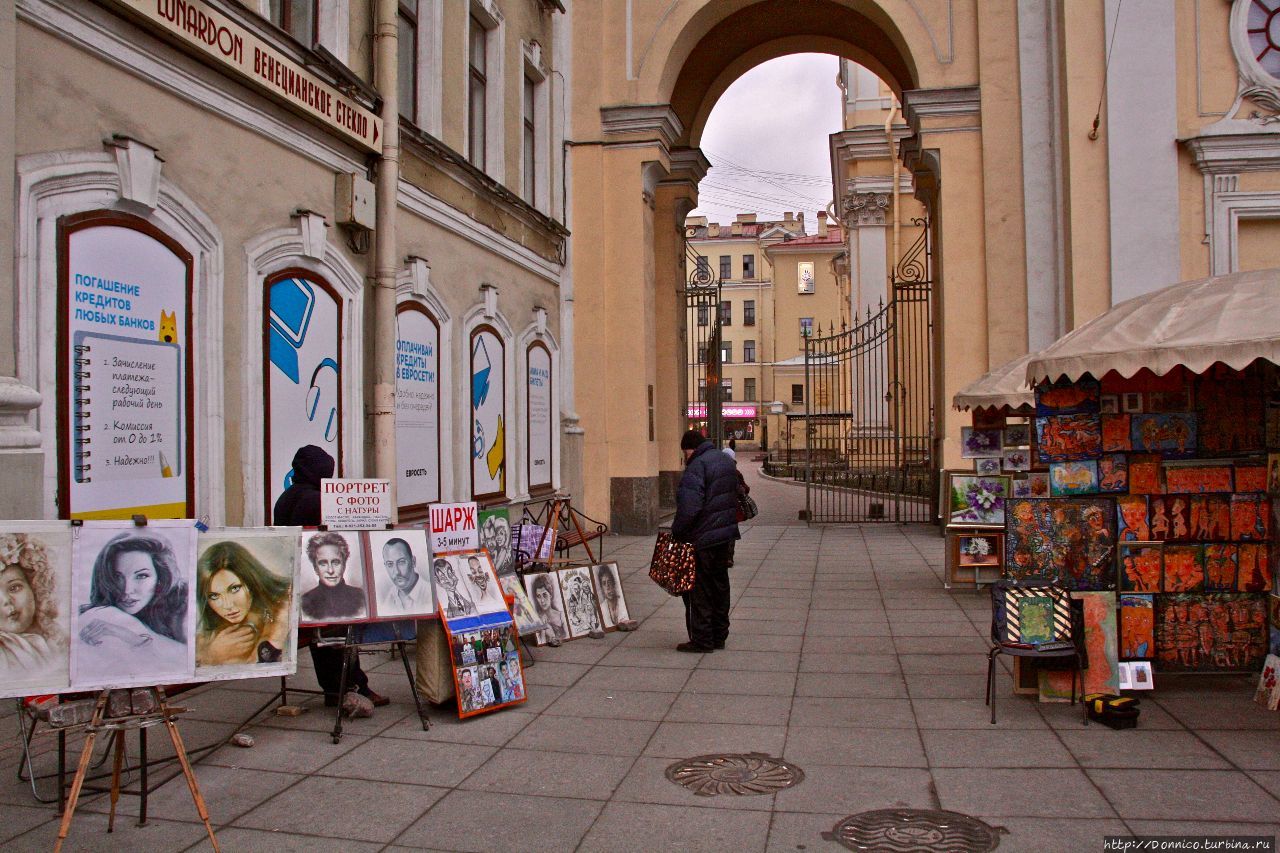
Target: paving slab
pixel 626 827
pixel 474 820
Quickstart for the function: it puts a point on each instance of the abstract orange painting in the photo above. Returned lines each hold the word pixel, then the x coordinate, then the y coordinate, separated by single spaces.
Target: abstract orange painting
pixel 1253 576
pixel 1250 518
pixel 1144 475
pixel 1183 568
pixel 1197 479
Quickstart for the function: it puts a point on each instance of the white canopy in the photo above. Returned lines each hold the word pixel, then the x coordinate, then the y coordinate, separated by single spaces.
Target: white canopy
pixel 1232 318
pixel 1004 386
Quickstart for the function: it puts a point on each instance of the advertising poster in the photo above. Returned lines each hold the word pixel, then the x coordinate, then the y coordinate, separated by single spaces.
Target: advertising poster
pixel 540 416
pixel 127 363
pixel 355 504
pixel 417 408
pixel 454 527
pixel 488 415
pixel 304 382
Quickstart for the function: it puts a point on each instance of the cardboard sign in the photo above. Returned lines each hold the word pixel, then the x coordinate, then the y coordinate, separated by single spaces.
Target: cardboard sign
pixel 355 504
pixel 454 527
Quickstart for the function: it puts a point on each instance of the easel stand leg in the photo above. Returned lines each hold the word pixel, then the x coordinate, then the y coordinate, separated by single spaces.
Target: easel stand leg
pixel 348 650
pixel 181 751
pixel 118 738
pixel 413 687
pixel 77 783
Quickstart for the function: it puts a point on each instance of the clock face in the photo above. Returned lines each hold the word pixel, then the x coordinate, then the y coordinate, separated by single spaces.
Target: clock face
pixel 1263 27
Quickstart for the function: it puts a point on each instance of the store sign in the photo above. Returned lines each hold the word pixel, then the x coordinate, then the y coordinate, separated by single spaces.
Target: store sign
pixel 304 382
pixel 454 527
pixel 355 504
pixel 214 34
pixel 417 408
pixel 698 411
pixel 127 434
pixel 540 420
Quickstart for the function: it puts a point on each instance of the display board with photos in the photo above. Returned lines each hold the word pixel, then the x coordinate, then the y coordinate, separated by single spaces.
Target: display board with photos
pixel 349 577
pixel 1164 489
pixel 111 604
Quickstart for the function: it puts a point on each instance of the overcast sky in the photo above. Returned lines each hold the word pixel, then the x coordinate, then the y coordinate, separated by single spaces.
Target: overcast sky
pixel 774 120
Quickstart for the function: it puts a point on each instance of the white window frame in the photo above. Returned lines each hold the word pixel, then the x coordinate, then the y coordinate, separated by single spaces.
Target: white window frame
pixel 535 71
pixel 430 66
pixel 488 14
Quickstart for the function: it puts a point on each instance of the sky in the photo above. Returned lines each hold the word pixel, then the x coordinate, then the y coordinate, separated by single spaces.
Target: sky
pixel 766 139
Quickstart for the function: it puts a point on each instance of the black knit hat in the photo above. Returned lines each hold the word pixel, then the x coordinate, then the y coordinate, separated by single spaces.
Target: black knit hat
pixel 692 440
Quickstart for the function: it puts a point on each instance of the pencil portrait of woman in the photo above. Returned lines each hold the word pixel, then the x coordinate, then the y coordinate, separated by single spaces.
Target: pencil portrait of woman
pixel 244 608
pixel 33 638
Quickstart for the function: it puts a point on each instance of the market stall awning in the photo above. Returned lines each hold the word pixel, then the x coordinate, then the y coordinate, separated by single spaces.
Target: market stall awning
pixel 1233 319
pixel 1004 386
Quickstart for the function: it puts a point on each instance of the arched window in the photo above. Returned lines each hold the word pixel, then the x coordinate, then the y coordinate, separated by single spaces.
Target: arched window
pixel 488 414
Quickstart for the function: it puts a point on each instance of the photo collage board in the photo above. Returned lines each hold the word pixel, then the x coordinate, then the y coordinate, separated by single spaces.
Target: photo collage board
pixel 111 604
pixel 1163 490
pixel 576 601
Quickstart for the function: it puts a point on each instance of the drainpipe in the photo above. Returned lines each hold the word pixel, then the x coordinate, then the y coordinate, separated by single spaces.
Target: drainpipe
pixel 383 413
pixel 897 186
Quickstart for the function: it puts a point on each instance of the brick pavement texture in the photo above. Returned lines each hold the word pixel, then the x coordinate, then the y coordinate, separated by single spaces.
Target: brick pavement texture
pixel 846 656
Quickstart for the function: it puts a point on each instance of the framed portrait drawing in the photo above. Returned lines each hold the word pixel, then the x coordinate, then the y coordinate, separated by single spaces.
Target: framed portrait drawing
pixel 522 609
pixel 332 578
pixel 582 610
pixel 543 589
pixel 35 621
pixel 400 563
pixel 466 585
pixel 613 604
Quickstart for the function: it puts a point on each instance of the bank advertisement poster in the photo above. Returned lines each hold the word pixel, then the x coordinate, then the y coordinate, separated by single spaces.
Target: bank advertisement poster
pixel 488 415
pixel 127 367
pixel 304 379
pixel 417 407
pixel 540 417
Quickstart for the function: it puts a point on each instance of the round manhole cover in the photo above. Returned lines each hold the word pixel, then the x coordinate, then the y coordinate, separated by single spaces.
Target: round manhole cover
pixel 908 830
pixel 741 774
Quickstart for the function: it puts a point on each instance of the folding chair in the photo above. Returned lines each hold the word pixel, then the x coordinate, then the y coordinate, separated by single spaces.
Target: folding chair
pixel 1058 620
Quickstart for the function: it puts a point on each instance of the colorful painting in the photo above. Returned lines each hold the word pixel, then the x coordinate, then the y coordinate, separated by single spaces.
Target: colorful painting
pixel 1113 473
pixel 1115 433
pixel 1183 568
pixel 1073 478
pixel 1141 566
pixel 1268 693
pixel 1132 523
pixel 1035 619
pixel 1250 518
pixel 1022 487
pixel 988 465
pixel 978 500
pixel 1066 438
pixel 1101 645
pixel 1171 434
pixel 1137 626
pixel 1197 479
pixel 980 550
pixel 1144 475
pixel 35 619
pixel 1017 435
pixel 978 443
pixel 1210 517
pixel 1018 459
pixel 1254 575
pixel 1170 517
pixel 1221 562
pixel 1067 398
pixel 1038 483
pixel 1251 478
pixel 1211 632
pixel 495 537
pixel 1067 539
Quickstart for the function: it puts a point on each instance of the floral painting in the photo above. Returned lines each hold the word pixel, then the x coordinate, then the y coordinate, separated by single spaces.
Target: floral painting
pixel 987 465
pixel 1017 459
pixel 980 550
pixel 1038 483
pixel 1017 435
pixel 978 499
pixel 1022 487
pixel 1073 478
pixel 977 443
pixel 1065 438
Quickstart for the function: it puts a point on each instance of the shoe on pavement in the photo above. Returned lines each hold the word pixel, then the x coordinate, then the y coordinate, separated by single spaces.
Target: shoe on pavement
pixel 378 700
pixel 718 644
pixel 694 648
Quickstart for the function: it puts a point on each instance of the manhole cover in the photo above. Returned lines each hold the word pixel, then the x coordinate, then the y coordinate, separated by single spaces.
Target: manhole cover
pixel 741 774
pixel 908 830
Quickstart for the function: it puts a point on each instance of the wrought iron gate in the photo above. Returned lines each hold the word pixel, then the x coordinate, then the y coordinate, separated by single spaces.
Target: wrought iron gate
pixel 702 345
pixel 869 407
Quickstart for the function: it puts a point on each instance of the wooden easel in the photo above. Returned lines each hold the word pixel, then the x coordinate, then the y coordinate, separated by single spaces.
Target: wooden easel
pixel 116 727
pixel 351 647
pixel 559 508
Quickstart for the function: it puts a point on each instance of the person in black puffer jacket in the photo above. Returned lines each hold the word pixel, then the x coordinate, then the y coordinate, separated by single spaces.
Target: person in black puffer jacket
pixel 707 517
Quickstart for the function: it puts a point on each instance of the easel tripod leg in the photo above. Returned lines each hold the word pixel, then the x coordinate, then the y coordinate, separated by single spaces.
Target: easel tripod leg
pixel 413 688
pixel 181 752
pixel 118 738
pixel 86 755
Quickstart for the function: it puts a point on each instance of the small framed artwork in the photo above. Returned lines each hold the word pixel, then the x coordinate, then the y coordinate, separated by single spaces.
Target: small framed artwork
pixel 1251 477
pixel 1038 483
pixel 987 465
pixel 1221 564
pixel 1137 626
pixel 1113 473
pixel 1017 435
pixel 1022 487
pixel 1073 478
pixel 1141 565
pixel 974 556
pixel 978 443
pixel 1197 479
pixel 1145 475
pixel 1017 459
pixel 1126 675
pixel 1142 675
pixel 1109 404
pixel 1131 402
pixel 976 498
pixel 1115 433
pixel 1184 568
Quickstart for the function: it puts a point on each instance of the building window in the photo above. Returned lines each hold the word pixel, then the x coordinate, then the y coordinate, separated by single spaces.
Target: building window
pixel 749 312
pixel 702 390
pixel 726 352
pixel 703 315
pixel 296 17
pixel 726 313
pixel 806 328
pixel 477 99
pixel 749 389
pixel 726 390
pixel 407 65
pixel 726 267
pixel 702 353
pixel 797 395
pixel 804 277
pixel 749 351
pixel 530 137
pixel 704 268
pixel 748 266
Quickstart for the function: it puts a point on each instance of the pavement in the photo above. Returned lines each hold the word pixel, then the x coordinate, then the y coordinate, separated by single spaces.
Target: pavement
pixel 846 657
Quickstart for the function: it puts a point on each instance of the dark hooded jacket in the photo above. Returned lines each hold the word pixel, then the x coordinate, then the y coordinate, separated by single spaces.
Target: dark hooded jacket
pixel 707 501
pixel 300 503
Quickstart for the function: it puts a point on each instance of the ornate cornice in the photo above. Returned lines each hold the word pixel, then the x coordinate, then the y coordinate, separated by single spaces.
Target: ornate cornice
pixel 867 207
pixel 641 123
pixel 918 104
pixel 1236 152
